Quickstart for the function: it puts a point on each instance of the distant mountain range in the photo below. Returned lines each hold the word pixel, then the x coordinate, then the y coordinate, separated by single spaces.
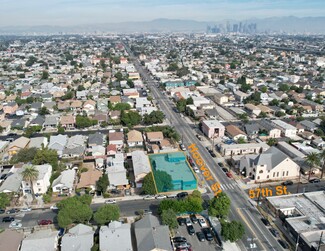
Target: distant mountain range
pixel 315 25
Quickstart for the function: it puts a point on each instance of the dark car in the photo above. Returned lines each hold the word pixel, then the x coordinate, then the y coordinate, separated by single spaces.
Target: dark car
pixel 193 218
pixel 179 239
pixel 200 236
pixel 212 154
pixel 225 170
pixel 287 183
pixel 283 244
pixel 265 221
pixel 45 222
pixel 182 245
pixel 314 180
pixel 274 232
pixel 181 221
pixel 8 219
pixel 182 195
pixel 190 230
pixel 208 234
pixel 2 211
pixel 13 211
pixel 220 164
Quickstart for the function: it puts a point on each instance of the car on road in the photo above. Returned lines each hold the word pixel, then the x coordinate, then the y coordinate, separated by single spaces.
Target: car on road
pixel 149 197
pixel 202 222
pixel 207 233
pixel 283 244
pixel 188 221
pixel 213 155
pixel 110 201
pixel 184 249
pixel 190 230
pixel 26 209
pixel 15 225
pixel 316 180
pixel 8 219
pixel 182 147
pixel 161 196
pixel 274 232
pixel 200 236
pixel 181 221
pixel 13 211
pixel 220 164
pixel 176 110
pixel 54 207
pixel 199 137
pixel 2 211
pixel 182 245
pixel 287 183
pixel 171 196
pixel 193 218
pixel 229 174
pixel 225 170
pixel 179 239
pixel 182 195
pixel 45 222
pixel 265 222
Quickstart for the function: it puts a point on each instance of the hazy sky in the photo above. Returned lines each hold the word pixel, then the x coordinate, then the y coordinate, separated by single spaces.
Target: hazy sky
pixel 74 12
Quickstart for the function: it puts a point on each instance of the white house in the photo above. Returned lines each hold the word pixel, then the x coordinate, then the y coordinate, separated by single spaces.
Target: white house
pixel 272 164
pixel 41 240
pixel 134 138
pixel 58 143
pixel 286 129
pixel 42 183
pixel 141 166
pixel 116 171
pixel 64 183
pixel 80 237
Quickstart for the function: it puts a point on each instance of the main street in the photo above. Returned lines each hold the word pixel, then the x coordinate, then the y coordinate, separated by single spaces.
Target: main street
pixel 241 209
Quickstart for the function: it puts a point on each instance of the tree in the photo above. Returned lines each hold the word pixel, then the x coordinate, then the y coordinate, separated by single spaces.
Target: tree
pixel 181 105
pixel 189 101
pixel 241 140
pixel 172 67
pixel 80 88
pixel 182 72
pixel 274 102
pixel 263 89
pixel 32 130
pixel 313 160
pixel 262 115
pixel 102 183
pixel 30 174
pixel 119 76
pixel 220 206
pixel 45 155
pixel 45 75
pixel 130 83
pixel 130 118
pixel 148 186
pixel 155 117
pixel 168 217
pixel 43 111
pixel 4 200
pixel 284 87
pixel 68 95
pixel 122 106
pixel 243 117
pixel 272 141
pixel 107 213
pixel 322 158
pixel 84 122
pixel 24 155
pixel 31 60
pixel 232 231
pixel 163 181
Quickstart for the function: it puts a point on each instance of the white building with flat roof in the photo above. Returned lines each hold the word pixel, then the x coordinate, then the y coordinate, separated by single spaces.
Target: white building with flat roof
pixel 286 129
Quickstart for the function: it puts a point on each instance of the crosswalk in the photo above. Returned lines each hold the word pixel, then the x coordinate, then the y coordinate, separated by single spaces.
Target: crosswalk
pixel 227 186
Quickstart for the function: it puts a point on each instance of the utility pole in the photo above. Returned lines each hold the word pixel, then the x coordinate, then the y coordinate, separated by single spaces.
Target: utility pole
pixel 297 243
pixel 299 181
pixel 320 241
pixel 259 195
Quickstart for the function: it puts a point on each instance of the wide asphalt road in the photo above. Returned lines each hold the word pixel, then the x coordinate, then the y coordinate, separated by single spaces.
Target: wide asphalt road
pixel 241 209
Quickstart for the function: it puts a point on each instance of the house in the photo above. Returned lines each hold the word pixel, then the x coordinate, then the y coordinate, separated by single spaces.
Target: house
pixel 213 128
pixel 272 164
pixel 154 137
pixel 17 145
pixel 318 142
pixel 134 138
pixel 38 142
pixel 131 93
pixel 102 105
pixel 6 125
pixel 89 107
pixel 117 235
pixel 10 108
pixel 151 236
pixel 63 105
pixel 10 240
pixel 98 151
pixel 51 122
pixel 88 179
pixel 96 139
pixel 286 129
pixel 68 122
pixel 252 109
pixel 116 138
pixel 38 121
pixel 220 98
pixel 58 143
pixel 76 105
pixel 240 96
pixel 116 171
pixel 243 149
pixel 115 115
pixel 141 166
pixel 19 123
pixel 111 150
pixel 78 238
pixel 40 240
pixel 75 146
pixel 114 100
pixel 65 182
pixel 308 125
pixel 42 183
pixel 3 146
pixel 271 129
pixel 235 133
pixel 12 183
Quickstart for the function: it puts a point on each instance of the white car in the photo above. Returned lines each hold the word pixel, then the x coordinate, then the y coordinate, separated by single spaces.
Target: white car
pixel 197 170
pixel 171 196
pixel 15 225
pixel 148 197
pixel 54 207
pixel 202 222
pixel 161 196
pixel 188 221
pixel 26 209
pixel 110 201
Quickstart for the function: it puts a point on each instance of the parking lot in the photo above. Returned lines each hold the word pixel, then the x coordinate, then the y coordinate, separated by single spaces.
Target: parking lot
pixel 194 241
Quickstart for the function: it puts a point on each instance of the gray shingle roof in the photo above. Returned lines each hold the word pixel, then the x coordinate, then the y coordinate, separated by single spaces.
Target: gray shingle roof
pixel 271 157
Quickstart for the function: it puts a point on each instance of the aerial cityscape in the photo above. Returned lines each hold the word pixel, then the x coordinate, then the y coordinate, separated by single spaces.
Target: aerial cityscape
pixel 188 126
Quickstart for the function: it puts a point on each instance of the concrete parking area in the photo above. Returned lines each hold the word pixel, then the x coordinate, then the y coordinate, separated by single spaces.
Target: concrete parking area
pixel 194 241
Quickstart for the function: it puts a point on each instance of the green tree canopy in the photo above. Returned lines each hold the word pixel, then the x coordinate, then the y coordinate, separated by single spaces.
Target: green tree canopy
pixel 4 200
pixel 220 206
pixel 163 181
pixel 172 67
pixel 122 106
pixel 32 130
pixel 155 117
pixel 168 217
pixel 45 75
pixel 190 204
pixel 102 183
pixel 148 186
pixel 232 231
pixel 181 105
pixel 45 155
pixel 107 213
pixel 30 174
pixel 84 122
pixel 24 155
pixel 130 118
pixel 43 111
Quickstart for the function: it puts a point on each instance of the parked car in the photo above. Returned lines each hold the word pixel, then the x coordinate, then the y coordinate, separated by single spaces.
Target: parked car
pixel 190 230
pixel 2 211
pixel 195 169
pixel 287 183
pixel 193 218
pixel 149 197
pixel 181 221
pixel 200 236
pixel 54 207
pixel 161 196
pixel 199 137
pixel 8 219
pixel 220 164
pixel 182 195
pixel 182 147
pixel 265 221
pixel 283 244
pixel 225 170
pixel 274 232
pixel 110 201
pixel 171 196
pixel 229 174
pixel 179 239
pixel 13 211
pixel 316 180
pixel 188 221
pixel 182 245
pixel 45 222
pixel 15 225
pixel 202 222
pixel 208 234
pixel 213 155
pixel 26 209
pixel 147 211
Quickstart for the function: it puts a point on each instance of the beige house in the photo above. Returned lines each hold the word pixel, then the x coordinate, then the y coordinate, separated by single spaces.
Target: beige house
pixel 17 145
pixel 141 166
pixel 220 98
pixel 272 164
pixel 68 121
pixel 235 133
pixel 134 138
pixel 88 179
pixel 155 137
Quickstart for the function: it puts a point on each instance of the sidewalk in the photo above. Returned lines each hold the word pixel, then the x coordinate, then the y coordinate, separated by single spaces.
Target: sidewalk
pixel 124 198
pixel 230 246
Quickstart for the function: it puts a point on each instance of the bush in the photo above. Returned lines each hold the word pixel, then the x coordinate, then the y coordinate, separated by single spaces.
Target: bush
pixel 47 198
pixel 106 195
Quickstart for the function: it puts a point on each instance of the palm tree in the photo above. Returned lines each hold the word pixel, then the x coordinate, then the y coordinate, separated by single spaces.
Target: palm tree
pixel 313 160
pixel 322 157
pixel 30 174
